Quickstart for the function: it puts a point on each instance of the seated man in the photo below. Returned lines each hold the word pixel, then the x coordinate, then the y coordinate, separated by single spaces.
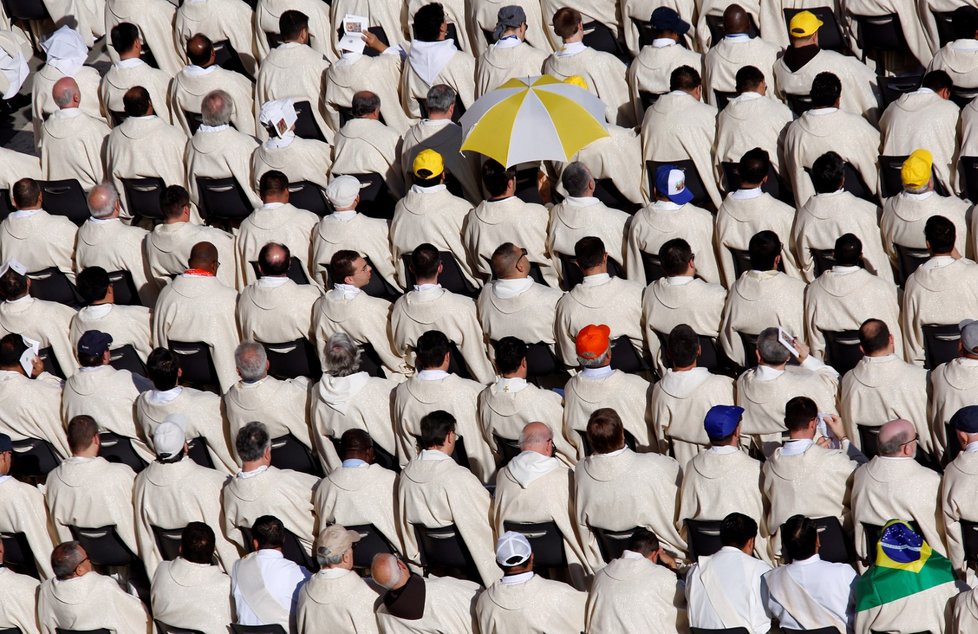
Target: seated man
pixel 724 589
pixel 22 511
pixel 126 49
pixel 650 71
pixel 737 49
pixel 72 140
pixel 298 158
pixel 365 145
pixel 18 600
pixel 749 121
pixel 412 603
pixel 509 56
pixel 46 322
pixel 36 238
pixel 265 585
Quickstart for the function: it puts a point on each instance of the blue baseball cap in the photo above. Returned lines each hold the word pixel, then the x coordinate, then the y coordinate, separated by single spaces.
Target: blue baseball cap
pixel 666 19
pixel 966 419
pixel 5 443
pixel 670 181
pixel 722 420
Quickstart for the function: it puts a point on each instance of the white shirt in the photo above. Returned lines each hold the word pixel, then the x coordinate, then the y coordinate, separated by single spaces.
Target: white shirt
pixel 512 580
pixel 796 447
pixel 282 578
pixel 830 585
pixel 597 373
pixel 740 576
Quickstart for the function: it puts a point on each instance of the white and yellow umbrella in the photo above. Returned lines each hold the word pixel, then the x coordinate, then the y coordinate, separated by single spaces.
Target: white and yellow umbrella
pixel 533 119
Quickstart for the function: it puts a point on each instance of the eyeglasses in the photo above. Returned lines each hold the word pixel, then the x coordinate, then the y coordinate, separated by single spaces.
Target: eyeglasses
pixel 82 562
pixel 915 438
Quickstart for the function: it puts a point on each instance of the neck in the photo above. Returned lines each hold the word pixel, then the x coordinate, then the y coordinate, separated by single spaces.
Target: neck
pixel 91 452
pixel 251 465
pixel 685 368
pixel 442 448
pixel 773 366
pixel 13 368
pixel 598 270
pixel 803 434
pixel 272 200
pixel 129 54
pixel 573 39
pixel 429 280
pixel 438 116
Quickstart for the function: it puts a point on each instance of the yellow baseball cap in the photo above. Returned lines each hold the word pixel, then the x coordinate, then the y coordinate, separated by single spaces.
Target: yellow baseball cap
pixel 916 170
pixel 576 80
pixel 428 164
pixel 804 24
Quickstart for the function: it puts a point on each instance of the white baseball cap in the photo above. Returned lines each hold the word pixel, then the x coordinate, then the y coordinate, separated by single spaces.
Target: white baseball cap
pixel 512 549
pixel 170 436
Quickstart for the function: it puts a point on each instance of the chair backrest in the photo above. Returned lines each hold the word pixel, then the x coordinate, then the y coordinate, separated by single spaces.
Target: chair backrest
pixel 824 260
pixel 625 357
pixel 869 440
pixel 968 169
pixel 908 259
pixel 969 536
pixel 117 116
pixel 822 630
pixel 227 58
pixel 508 449
pixel 164 628
pixel 370 361
pixel 197 451
pixel 644 31
pixel 296 273
pixel 653 267
pixel 292 359
pixel 126 358
pixel 835 545
pixel 573 275
pixel 442 549
pixel 382 457
pixel 103 545
pixel 545 539
pixel 799 104
pixel 223 200
pixel 648 99
pixel 940 344
pixel 612 543
pixel 372 542
pixel 842 349
pixel 527 189
pixel 749 342
pixel 773 185
pixel 694 181
pixel 586 444
pixel 855 184
pixel 830 35
pixel 953 444
pixel 273 39
pixel 124 288
pixel 306 126
pixel 51 365
pixel 143 196
pixel 168 541
pixel 52 284
pixel 451 278
pixel 376 199
pixel 65 198
pixel 601 38
pixel 119 449
pixel 726 630
pixel 541 360
pixel 892 88
pixel 25 9
pixel 196 365
pixel 309 196
pixel 703 537
pixel 257 629
pixel 962 96
pixel 289 453
pixel 6 206
pixel 101 630
pixel 33 458
pixel 880 32
pixel 741 261
pixel 945 26
pixel 714 21
pixel 608 193
pixel 17 554
pixel 194 121
pixel 11 630
pixel 723 97
pixel 891 182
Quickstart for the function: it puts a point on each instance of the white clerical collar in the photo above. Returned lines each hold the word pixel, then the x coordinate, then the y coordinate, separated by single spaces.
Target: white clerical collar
pixel 844 270
pixel 971 447
pixel 26 299
pixel 280 142
pixel 268 281
pixel 571 48
pixel 611 454
pixel 937 262
pixel 818 112
pixel 723 449
pixel 747 194
pixel 195 71
pixel 68 113
pixel 766 373
pixel 924 91
pixel 418 189
pixel 102 221
pixel 349 58
pixel 24 213
pixel 354 463
pixel 433 454
pixel 510 41
pixel 507 289
pixel 333 573
pixel 596 280
pixel 438 123
pixel 796 447
pixel 737 37
pixel 512 580
pixel 880 359
pixel 345 215
pixel 662 42
pixel 666 205
pixel 270 205
pixel 511 385
pixel 749 95
pixel 132 62
pixel 597 373
pixel 966 44
pixel 162 397
pixel 98 311
pixel 348 290
pixel 426 287
pixel 244 475
pixel 213 128
pixel 582 201
pixel 921 196
pixel 631 554
pixel 432 375
pixel 680 280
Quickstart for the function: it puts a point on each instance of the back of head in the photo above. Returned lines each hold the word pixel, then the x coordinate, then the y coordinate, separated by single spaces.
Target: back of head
pixel 566 21
pixel 428 21
pixel 123 37
pixel 496 177
pixel 799 412
pixel 737 529
pixel 828 173
pixel 203 255
pixel 136 102
pixel 874 336
pixel 92 284
pixel 576 178
pixel 940 234
pixel 424 261
pixel 65 91
pixel 163 369
pixel 355 443
pixel 826 90
pixel 26 193
pixel 251 360
pixel 764 247
pixel 605 431
pixel 364 103
pixel 385 571
pixel 748 79
pixel 848 250
pixel 342 355
pixel 589 252
pixel 81 432
pixel 216 108
pixel 799 538
pixel 965 22
pixel 754 166
pixel 894 436
pixel 172 201
pixel 643 541
pixel 268 531
pixel 770 348
pixel 735 20
pixel 197 543
pixel 200 49
pixel 13 285
pixel 341 265
pixel 274 259
pixel 65 559
pixel 685 78
pixel 510 353
pixel 12 346
pixel 675 256
pixel 435 427
pixel 430 350
pixel 102 200
pixel 683 346
pixel 291 24
pixel 937 80
pixel 252 441
pixel 440 98
pixel 504 259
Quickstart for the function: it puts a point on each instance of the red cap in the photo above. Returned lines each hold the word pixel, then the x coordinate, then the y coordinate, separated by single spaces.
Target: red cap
pixel 593 341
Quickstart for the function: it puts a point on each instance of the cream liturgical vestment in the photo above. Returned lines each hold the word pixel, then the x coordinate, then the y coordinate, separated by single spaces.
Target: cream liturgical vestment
pixel 952 386
pixel 321 32
pixel 90 602
pixel 758 300
pixel 617 158
pixel 71 147
pixel 482 22
pixel 923 119
pixel 957 58
pixel 362 317
pixel 277 310
pixel 352 230
pixel 504 60
pixel 171 495
pixel 433 491
pixel 221 152
pixel 670 301
pixel 127 155
pixel 336 599
pixel 45 322
pixel 22 510
pixel 534 605
pixel 431 63
pixel 733 52
pixel 604 74
pixel 274 222
pixel 751 121
pixel 356 401
pixel 958 504
pixel 589 390
pixel 168 249
pixel 294 71
pixel 125 74
pixel 600 299
pixel 299 159
pixel 518 308
pixel 359 494
pixel 32 409
pixel 193 83
pixel 448 607
pixel 632 594
pixel 18 601
pixel 17 165
pixel 193 596
pixel 284 493
pixel 575 218
pixel 941 291
pixel 881 389
pixel 509 405
pixel 354 72
pixel 905 216
pixel 128 325
pixel 444 137
pixel 196 308
pixel 39 240
pixel 116 246
pixel 367 146
pixel 494 222
pixel 282 406
pixel 664 220
pixel 622 490
pixel 743 214
pixel 219 20
pixel 155 21
pixel 859 85
pixel 678 406
pixel 42 100
pixel 651 69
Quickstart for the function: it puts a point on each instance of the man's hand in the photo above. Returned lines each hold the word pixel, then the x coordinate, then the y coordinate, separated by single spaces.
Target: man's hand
pixel 803 350
pixel 834 423
pixel 667 560
pixel 372 41
pixel 37 366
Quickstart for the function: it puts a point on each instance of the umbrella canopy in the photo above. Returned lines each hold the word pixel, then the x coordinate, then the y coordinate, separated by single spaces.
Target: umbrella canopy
pixel 533 119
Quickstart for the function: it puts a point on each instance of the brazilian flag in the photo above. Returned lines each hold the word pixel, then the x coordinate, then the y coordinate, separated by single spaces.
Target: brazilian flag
pixel 905 565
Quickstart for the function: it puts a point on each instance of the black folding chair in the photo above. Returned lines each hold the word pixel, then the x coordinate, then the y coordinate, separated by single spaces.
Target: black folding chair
pixel 541 361
pixel 65 198
pixel 507 449
pixel 382 457
pixel 969 536
pixel 774 185
pixel 451 278
pixel 292 359
pixel 799 104
pixel 962 95
pixel 830 35
pixel 908 260
pixel 370 361
pixel 376 199
pixel 164 628
pixel 648 99
pixel 33 458
pixel 372 542
pixel 306 126
pixel 289 453
pixel 143 197
pixel 892 88
pixel 197 451
pixel 526 185
pixel 194 120
pixel 52 284
pixel 608 193
pixel 600 37
pixel 168 541
pixel 645 36
pixel 25 9
pixel 223 201
pixel 612 543
pixel 124 288
pixel 257 629
pixel 119 449
pixel 309 196
pixel 227 58
pixel 945 26
pixel 822 630
pixel 694 181
pixel 444 552
pixel 6 206
pixel 196 364
pixel 296 272
pixel 624 357
pixel 878 34
pixel 749 342
pixel 126 358
pixel 714 22
pixel 726 630
pixel 834 544
pixel 703 537
pixel 953 444
pixel 723 97
pixel 573 275
pixel 653 267
pixel 842 350
pixel 105 548
pixel 940 344
pixel 891 183
pixel 17 554
pixel 968 169
pixel 586 444
pixel 545 539
pixel 459 106
pixel 856 185
pixel 101 630
pixel 869 440
pixel 273 39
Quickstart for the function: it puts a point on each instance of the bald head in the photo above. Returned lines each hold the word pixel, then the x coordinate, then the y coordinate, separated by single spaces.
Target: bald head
pixel 200 50
pixel 505 262
pixel 204 257
pixel 898 439
pixel 103 201
pixel 536 437
pixel 735 20
pixel 273 260
pixel 389 572
pixel 66 93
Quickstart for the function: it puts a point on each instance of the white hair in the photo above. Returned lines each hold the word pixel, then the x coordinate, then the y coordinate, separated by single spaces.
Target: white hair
pixel 388 561
pixel 109 199
pixel 251 361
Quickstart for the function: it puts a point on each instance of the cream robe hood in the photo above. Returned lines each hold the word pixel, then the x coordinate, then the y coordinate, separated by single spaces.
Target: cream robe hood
pixel 635 595
pixel 368 146
pixel 118 80
pixel 359 495
pixel 538 605
pixel 219 155
pixel 357 401
pixel 765 400
pixel 380 75
pixel 506 413
pixel 283 406
pixel 90 601
pixel 73 500
pixel 446 139
pixel 627 394
pixel 126 154
pixel 748 122
pixel 345 602
pixel 155 20
pixel 528 316
pixel 193 595
pixel 875 392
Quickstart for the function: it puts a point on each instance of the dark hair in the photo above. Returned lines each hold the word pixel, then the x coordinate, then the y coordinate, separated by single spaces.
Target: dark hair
pixel 435 427
pixel 565 21
pixel 799 538
pixel 510 353
pixel 940 234
pixel 12 346
pixel 12 285
pixel 268 531
pixel 355 441
pixel 874 335
pixel 964 21
pixel 364 103
pixel 430 349
pixel 754 166
pixel 341 265
pixel 763 248
pixel 848 250
pixel 748 79
pixel 828 173
pixel 172 201
pixel 798 412
pixel 81 432
pixel 685 78
pixel 92 284
pixel 136 102
pixel 643 541
pixel 87 360
pixel 199 49
pixel 826 90
pixel 683 346
pixel 123 37
pixel 589 252
pixel 737 529
pixel 675 256
pixel 496 177
pixel 425 260
pixel 162 368
pixel 197 543
pixel 274 266
pixel 605 431
pixel 938 80
pixel 291 23
pixel 25 193
pixel 273 181
pixel 65 559
pixel 427 22
pixel 252 441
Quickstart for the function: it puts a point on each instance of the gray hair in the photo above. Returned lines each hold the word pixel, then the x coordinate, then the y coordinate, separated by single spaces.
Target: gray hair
pixel 892 446
pixel 342 355
pixel 328 560
pixel 252 441
pixel 105 198
pixel 576 178
pixel 216 108
pixel 66 558
pixel 389 562
pixel 65 96
pixel 440 98
pixel 770 347
pixel 534 438
pixel 596 362
pixel 251 361
pixel 918 190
